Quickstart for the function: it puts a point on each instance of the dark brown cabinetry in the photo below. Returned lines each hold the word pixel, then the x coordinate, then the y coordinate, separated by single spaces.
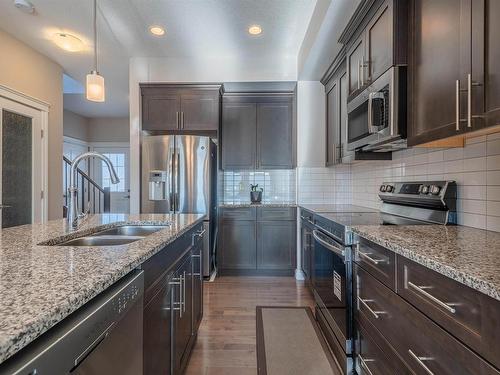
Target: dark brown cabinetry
pixel 257 241
pixel 332 123
pixel 180 107
pixel 306 242
pixel 419 318
pixel 375 43
pixel 172 305
pixel 454 67
pixel 258 132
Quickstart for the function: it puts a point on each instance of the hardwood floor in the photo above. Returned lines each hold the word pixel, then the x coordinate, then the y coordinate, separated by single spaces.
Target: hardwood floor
pixel 226 338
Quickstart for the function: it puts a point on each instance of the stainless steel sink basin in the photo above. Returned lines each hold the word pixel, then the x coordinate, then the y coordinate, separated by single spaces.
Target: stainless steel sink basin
pixel 131 230
pixel 114 236
pixel 101 241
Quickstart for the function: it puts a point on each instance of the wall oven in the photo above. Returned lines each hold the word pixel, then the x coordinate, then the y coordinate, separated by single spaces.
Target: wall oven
pixel 376 119
pixel 332 287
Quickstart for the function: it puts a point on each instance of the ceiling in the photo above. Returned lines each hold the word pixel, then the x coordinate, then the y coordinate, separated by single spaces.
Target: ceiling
pixel 195 29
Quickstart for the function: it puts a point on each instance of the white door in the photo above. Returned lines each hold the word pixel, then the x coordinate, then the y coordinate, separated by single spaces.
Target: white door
pixel 21 164
pixel 120 193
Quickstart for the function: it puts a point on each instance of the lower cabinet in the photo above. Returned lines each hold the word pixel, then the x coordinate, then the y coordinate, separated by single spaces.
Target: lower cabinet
pixel 173 305
pixel 257 242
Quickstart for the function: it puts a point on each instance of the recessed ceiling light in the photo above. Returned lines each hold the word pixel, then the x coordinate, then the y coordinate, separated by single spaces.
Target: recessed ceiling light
pixel 157 30
pixel 255 30
pixel 68 42
pixel 25 6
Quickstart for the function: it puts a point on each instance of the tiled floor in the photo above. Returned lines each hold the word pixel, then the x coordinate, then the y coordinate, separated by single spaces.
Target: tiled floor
pixel 226 338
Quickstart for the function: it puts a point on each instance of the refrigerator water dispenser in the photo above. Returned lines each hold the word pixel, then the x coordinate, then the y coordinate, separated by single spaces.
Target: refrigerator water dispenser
pixel 157 185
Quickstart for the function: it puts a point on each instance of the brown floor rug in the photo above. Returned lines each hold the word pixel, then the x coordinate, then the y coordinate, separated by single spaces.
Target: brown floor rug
pixel 289 343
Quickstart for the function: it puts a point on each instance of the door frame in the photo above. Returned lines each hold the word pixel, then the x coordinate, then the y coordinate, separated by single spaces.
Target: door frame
pixel 43 107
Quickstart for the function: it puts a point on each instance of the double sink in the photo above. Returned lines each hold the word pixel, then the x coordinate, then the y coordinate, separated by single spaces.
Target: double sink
pixel 121 235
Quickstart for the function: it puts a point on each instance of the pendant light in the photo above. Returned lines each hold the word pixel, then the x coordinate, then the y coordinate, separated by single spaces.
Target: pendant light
pixel 95 82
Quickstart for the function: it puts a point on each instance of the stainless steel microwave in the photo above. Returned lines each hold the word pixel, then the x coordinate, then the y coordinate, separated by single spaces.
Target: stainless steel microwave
pixel 376 117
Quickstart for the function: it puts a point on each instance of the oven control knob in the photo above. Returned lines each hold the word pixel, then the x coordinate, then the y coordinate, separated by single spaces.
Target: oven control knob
pixel 389 188
pixel 424 189
pixel 382 188
pixel 434 189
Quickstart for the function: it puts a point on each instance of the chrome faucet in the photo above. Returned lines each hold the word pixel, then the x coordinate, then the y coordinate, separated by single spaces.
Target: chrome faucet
pixel 73 215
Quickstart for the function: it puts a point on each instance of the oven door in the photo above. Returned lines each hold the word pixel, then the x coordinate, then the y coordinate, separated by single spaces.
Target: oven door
pixel 331 281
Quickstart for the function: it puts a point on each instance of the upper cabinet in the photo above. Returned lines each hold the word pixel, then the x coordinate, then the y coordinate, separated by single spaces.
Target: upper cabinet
pixel 375 42
pixel 258 131
pixel 454 69
pixel 168 107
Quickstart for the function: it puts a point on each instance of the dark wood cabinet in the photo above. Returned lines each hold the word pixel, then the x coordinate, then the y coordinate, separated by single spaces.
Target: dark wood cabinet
pixel 197 264
pixel 333 123
pixel 200 111
pixel 355 62
pixel 157 331
pixel 306 243
pixel 453 69
pixel 171 107
pixel 258 131
pixel 239 144
pixel 182 319
pixel 276 245
pixel 274 135
pixel 257 241
pixel 160 111
pixel 238 241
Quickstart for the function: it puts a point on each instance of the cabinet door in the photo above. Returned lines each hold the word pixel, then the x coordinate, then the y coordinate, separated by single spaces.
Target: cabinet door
pixel 158 333
pixel 274 135
pixel 332 124
pixel 160 111
pixel 440 55
pixel 485 63
pixel 183 317
pixel 197 285
pixel 239 121
pixel 355 61
pixel 238 245
pixel 276 245
pixel 200 111
pixel 344 152
pixel 379 42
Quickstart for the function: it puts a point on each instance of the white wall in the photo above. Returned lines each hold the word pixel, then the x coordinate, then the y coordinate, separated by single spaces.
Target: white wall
pixel 31 73
pixel 311 124
pixel 75 126
pixel 108 129
pixel 217 69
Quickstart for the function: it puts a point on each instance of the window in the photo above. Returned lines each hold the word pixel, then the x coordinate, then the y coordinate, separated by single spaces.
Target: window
pixel 118 161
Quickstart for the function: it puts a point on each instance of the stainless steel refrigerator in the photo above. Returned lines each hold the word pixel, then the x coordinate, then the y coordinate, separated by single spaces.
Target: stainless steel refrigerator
pixel 179 175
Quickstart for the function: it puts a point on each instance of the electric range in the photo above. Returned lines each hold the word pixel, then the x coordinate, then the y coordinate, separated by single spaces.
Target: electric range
pixel 403 203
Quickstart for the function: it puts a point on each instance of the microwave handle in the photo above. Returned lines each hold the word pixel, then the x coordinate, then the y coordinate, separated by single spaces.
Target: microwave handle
pixel 378 95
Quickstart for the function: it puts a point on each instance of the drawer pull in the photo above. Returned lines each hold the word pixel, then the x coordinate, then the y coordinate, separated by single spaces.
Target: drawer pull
pixel 365 303
pixel 421 290
pixel 420 361
pixel 369 258
pixel 364 364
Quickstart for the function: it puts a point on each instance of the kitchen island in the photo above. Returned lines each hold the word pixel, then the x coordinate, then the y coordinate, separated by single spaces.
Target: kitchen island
pixel 42 284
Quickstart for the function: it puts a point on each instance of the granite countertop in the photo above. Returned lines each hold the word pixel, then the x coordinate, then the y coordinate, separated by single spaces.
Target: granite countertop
pixel 263 204
pixel 468 255
pixel 41 285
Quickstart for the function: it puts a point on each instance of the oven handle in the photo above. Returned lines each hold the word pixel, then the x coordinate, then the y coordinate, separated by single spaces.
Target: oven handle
pixel 336 249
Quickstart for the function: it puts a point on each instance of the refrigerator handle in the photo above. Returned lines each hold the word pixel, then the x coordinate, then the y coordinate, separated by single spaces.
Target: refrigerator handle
pixel 178 182
pixel 172 182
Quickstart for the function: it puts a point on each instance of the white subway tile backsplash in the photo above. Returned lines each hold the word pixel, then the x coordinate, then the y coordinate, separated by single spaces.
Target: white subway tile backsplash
pixel 475 168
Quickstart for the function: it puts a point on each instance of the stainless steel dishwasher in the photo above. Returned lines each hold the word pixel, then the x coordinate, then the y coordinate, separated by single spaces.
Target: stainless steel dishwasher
pixel 102 337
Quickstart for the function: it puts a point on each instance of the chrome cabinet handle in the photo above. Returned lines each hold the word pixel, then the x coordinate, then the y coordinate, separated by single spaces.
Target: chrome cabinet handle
pixel 421 289
pixel 364 364
pixel 470 84
pixel 420 361
pixel 369 258
pixel 182 120
pixel 177 120
pixel 177 281
pixel 359 74
pixel 374 313
pixel 457 105
pixel 184 292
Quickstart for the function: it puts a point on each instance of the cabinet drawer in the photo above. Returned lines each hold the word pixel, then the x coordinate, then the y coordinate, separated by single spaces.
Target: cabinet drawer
pixel 377 260
pixel 276 213
pixel 425 347
pixel 374 355
pixel 242 213
pixel 469 315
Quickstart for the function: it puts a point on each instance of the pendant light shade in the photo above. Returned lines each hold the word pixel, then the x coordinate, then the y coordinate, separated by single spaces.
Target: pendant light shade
pixel 95 87
pixel 95 91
